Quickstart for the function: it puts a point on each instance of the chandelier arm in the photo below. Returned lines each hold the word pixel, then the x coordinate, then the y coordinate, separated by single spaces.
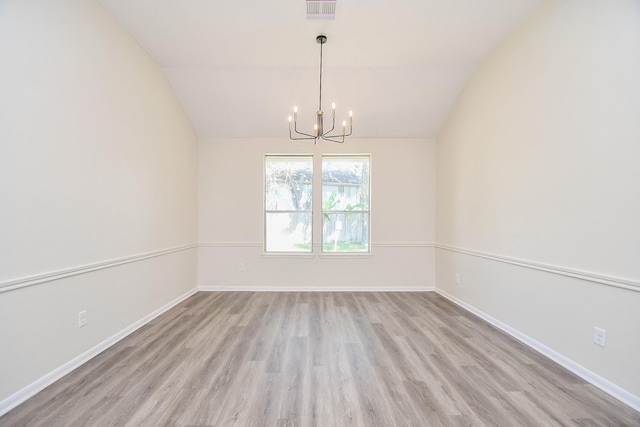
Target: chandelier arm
pixel 333 126
pixel 332 138
pixel 295 128
pixel 343 134
pixel 300 139
pixel 306 136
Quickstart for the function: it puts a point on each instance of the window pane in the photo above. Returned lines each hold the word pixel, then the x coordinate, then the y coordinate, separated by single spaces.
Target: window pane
pixel 288 203
pixel 345 232
pixel 345 204
pixel 288 232
pixel 345 183
pixel 288 183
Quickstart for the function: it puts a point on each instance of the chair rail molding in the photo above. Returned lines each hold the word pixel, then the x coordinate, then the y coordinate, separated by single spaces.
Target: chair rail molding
pixel 37 279
pixel 629 284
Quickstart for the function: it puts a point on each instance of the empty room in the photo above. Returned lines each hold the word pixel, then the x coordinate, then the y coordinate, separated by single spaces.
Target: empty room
pixel 319 213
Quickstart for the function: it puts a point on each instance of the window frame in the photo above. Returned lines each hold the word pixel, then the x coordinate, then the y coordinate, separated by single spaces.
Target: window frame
pixel 316 212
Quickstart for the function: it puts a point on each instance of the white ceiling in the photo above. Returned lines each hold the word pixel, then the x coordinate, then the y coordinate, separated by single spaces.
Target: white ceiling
pixel 239 66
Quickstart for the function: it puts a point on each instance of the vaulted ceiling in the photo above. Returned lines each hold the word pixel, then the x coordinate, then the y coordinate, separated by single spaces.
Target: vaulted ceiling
pixel 239 66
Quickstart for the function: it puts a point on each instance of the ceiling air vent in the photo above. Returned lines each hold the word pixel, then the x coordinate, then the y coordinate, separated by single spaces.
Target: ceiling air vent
pixel 321 9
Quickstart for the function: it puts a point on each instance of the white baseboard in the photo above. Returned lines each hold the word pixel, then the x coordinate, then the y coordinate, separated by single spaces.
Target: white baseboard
pixel 315 289
pixel 607 386
pixel 602 383
pixel 17 398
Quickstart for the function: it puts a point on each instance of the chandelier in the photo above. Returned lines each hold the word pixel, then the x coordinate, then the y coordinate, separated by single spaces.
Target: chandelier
pixel 331 135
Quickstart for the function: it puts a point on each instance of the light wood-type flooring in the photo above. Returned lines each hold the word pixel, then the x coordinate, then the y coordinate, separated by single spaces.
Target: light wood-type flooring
pixel 320 359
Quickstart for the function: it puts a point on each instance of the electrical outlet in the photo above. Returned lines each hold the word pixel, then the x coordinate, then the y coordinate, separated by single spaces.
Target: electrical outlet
pixel 599 336
pixel 457 277
pixel 241 266
pixel 82 319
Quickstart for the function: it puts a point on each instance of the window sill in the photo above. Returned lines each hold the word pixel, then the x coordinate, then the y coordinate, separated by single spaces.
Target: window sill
pixel 340 255
pixel 292 255
pixel 351 255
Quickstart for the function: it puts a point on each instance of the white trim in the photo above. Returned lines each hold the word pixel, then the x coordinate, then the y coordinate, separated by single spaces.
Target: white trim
pixel 602 383
pixel 230 245
pixel 317 254
pixel 316 245
pixel 588 276
pixel 404 245
pixel 87 268
pixel 205 288
pixel 22 395
pixel 290 255
pixel 345 255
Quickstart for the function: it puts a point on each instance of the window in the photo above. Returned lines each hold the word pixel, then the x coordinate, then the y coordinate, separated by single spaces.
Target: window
pixel 345 204
pixel 342 220
pixel 288 203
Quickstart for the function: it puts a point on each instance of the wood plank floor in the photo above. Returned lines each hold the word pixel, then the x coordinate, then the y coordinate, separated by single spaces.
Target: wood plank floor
pixel 320 359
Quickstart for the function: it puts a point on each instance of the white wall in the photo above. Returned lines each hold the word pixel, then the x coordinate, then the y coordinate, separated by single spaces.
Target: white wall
pixel 230 228
pixel 538 171
pixel 97 172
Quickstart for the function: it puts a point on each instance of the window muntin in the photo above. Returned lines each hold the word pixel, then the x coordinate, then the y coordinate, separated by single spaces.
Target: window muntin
pixel 288 204
pixel 345 203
